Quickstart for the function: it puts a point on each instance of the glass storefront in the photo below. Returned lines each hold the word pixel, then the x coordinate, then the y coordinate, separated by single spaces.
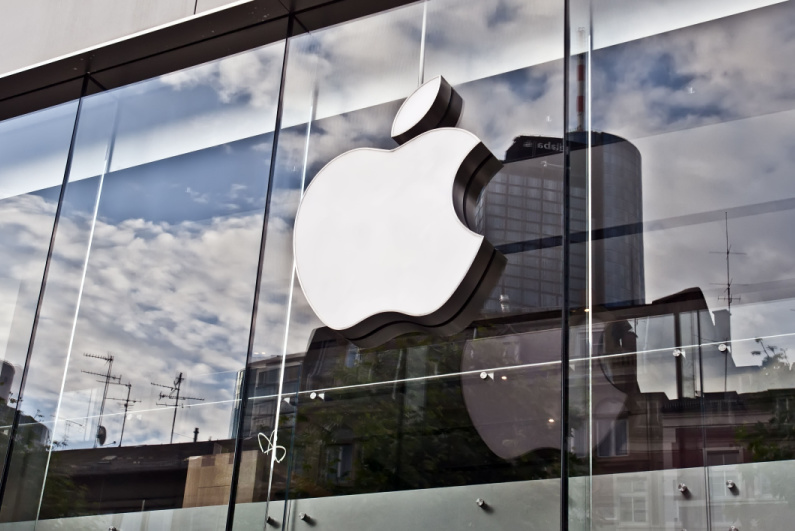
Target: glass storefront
pixel 628 369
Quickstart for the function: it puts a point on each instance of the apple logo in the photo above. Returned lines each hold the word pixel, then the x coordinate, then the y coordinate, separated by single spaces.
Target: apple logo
pixel 383 239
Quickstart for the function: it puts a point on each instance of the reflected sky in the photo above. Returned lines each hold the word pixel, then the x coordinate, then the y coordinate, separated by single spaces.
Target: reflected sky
pixel 33 149
pixel 168 289
pixel 624 20
pixel 713 122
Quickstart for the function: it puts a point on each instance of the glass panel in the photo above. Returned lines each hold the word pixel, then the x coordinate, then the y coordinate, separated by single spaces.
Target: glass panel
pixel 480 409
pixel 486 423
pixel 423 393
pixel 33 154
pixel 145 322
pixel 336 83
pixel 688 191
pixel 526 231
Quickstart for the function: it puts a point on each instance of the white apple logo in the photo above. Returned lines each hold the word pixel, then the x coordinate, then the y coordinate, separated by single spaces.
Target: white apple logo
pixel 383 240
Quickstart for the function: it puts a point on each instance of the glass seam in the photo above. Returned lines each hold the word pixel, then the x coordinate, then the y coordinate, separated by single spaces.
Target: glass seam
pixel 564 328
pixel 283 365
pixel 105 170
pixel 23 381
pixel 589 253
pixel 238 445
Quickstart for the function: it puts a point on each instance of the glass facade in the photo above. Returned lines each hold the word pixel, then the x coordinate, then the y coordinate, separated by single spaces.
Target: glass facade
pixel 164 369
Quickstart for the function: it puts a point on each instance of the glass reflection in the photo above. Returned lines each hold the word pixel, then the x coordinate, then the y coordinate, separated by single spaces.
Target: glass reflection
pixel 701 366
pixel 33 151
pixel 531 237
pixel 291 387
pixel 146 318
pixel 329 74
pixel 680 276
pixel 415 413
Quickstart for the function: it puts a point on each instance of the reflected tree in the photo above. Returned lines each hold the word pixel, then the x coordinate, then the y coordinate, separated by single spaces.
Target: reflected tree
pixel 380 428
pixel 773 440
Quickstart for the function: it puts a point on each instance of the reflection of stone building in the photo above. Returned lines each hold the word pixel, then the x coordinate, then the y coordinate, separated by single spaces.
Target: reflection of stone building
pixel 152 477
pixel 393 408
pixel 653 408
pixel 137 478
pixel 521 213
pixel 480 407
pixel 208 478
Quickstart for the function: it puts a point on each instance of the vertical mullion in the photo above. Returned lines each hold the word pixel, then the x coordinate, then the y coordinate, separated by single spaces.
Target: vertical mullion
pixel 105 171
pixel 230 516
pixel 566 243
pixel 23 381
pixel 586 103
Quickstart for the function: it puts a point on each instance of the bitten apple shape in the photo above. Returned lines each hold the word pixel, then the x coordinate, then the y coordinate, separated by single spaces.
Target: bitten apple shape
pixel 383 240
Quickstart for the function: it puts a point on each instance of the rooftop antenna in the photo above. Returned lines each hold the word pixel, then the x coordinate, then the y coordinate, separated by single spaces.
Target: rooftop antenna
pixel 126 403
pixel 729 298
pixel 173 394
pixel 107 378
pixel 67 424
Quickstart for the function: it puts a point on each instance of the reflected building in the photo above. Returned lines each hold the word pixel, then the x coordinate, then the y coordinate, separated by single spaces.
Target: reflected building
pixel 520 211
pixel 263 392
pixel 357 420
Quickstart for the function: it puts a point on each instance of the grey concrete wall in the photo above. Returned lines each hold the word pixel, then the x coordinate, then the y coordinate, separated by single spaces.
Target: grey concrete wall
pixel 34 31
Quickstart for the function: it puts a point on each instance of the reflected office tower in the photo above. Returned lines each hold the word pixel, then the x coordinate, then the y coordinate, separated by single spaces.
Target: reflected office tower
pixel 520 211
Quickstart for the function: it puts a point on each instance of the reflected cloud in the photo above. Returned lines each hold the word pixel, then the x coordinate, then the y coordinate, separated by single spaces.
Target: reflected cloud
pixel 245 77
pixel 168 289
pixel 696 76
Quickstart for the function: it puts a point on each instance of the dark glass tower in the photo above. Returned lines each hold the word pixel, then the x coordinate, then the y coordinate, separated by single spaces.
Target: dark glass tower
pixel 521 212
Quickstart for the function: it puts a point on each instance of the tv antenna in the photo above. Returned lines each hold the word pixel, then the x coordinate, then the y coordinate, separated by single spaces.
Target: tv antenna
pixel 173 394
pixel 67 424
pixel 729 298
pixel 107 378
pixel 126 403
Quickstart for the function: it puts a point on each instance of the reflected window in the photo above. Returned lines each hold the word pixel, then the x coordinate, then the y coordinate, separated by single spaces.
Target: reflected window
pixel 613 437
